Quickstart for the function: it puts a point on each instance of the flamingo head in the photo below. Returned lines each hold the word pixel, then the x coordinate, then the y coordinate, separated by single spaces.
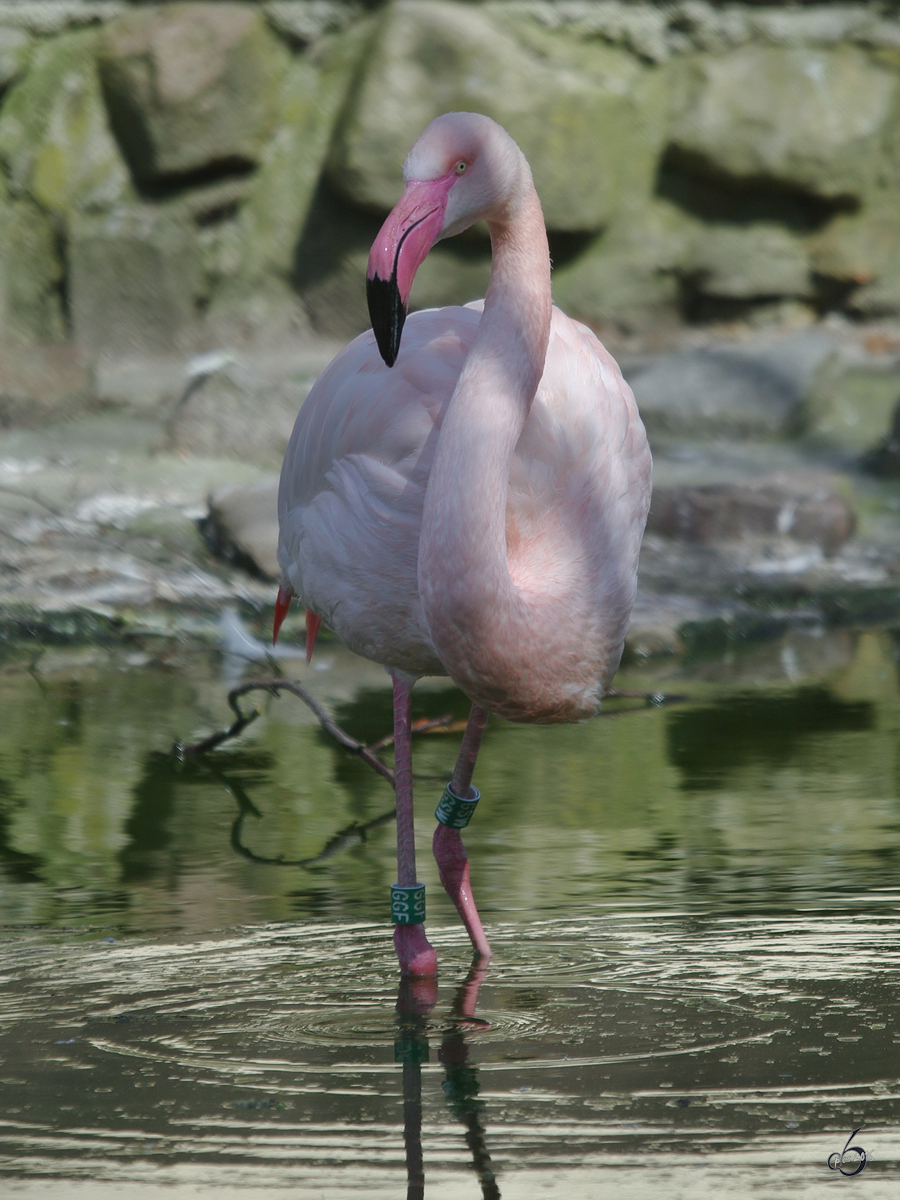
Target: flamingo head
pixel 463 168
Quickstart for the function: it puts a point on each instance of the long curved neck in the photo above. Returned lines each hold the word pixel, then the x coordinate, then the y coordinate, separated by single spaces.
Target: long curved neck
pixel 464 581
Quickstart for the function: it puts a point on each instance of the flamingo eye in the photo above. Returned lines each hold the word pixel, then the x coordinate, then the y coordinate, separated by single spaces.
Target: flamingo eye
pixel 460 167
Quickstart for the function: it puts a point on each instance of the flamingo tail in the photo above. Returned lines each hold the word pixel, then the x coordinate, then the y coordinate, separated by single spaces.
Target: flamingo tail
pixel 282 605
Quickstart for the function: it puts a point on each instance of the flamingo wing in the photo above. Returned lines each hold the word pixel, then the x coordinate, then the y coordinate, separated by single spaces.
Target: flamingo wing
pixel 353 485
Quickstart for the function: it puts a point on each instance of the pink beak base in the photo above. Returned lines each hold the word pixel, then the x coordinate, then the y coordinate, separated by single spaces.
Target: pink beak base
pixel 397 253
pixel 410 231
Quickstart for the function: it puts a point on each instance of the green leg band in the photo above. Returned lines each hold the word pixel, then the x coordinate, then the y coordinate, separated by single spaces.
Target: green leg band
pixel 453 811
pixel 408 904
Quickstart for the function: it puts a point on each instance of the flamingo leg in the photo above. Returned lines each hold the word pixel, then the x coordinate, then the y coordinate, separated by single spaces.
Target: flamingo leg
pixel 449 851
pixel 417 957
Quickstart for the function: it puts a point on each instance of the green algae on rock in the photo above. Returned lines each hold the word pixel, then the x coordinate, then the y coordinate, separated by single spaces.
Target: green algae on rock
pixel 733 106
pixel 54 136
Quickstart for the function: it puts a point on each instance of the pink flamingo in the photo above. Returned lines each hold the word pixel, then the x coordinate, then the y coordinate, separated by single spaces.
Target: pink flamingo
pixel 478 510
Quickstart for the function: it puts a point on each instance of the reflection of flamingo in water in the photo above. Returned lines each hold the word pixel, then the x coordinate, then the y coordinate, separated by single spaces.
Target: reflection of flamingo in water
pixel 461 1084
pixel 477 511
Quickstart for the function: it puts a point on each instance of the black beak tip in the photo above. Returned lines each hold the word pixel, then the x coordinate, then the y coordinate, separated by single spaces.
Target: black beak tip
pixel 387 313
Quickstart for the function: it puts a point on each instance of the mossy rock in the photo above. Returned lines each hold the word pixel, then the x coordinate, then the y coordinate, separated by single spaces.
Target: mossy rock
pixel 334 296
pixel 747 262
pixel 629 275
pixel 589 117
pixel 30 275
pixel 191 86
pixel 854 413
pixel 881 298
pixel 259 299
pixel 811 118
pixel 859 254
pixel 15 52
pixel 54 136
pixel 134 278
pixel 736 390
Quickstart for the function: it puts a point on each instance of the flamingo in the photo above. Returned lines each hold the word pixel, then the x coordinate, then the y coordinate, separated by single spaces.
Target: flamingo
pixel 472 506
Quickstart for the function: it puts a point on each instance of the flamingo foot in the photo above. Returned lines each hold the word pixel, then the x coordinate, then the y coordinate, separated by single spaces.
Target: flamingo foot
pixel 453 865
pixel 417 956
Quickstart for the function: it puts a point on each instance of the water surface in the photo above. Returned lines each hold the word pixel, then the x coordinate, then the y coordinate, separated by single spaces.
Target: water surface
pixel 694 910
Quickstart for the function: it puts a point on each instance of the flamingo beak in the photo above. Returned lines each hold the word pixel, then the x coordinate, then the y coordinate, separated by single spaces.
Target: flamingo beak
pixel 397 253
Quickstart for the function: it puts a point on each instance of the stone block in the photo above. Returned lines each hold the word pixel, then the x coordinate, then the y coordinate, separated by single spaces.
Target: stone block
pixel 257 300
pixel 242 526
pixel 48 17
pixel 747 262
pixel 736 390
pixel 808 117
pixel 881 297
pixel 854 414
pixel 238 413
pixel 133 281
pixel 628 276
pixel 30 275
pixel 884 458
pixel 589 117
pixel 808 510
pixel 191 87
pixel 302 24
pixel 42 384
pixel 54 136
pixel 858 255
pixel 335 298
pixel 853 247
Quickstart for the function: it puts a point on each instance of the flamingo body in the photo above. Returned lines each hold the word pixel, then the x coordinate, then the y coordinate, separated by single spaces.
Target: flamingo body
pixel 353 488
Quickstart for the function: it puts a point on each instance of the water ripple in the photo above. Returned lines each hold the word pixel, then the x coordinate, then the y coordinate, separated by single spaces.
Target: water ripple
pixel 631 1036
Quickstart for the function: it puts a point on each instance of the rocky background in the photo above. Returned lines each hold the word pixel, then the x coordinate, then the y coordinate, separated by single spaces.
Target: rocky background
pixel 179 174
pixel 188 193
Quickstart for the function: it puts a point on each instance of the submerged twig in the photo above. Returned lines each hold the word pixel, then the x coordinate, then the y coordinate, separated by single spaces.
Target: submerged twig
pixel 343 837
pixel 236 728
pixel 366 754
pixel 354 831
pixel 274 687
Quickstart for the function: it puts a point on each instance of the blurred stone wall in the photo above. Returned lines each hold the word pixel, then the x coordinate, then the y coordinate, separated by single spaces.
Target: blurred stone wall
pixel 179 175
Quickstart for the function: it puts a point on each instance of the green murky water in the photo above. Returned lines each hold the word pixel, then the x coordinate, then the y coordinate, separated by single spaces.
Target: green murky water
pixel 694 910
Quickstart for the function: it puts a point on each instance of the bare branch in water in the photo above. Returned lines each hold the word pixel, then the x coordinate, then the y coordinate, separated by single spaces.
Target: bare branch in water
pixel 274 687
pixel 353 832
pixel 180 750
pixel 366 754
